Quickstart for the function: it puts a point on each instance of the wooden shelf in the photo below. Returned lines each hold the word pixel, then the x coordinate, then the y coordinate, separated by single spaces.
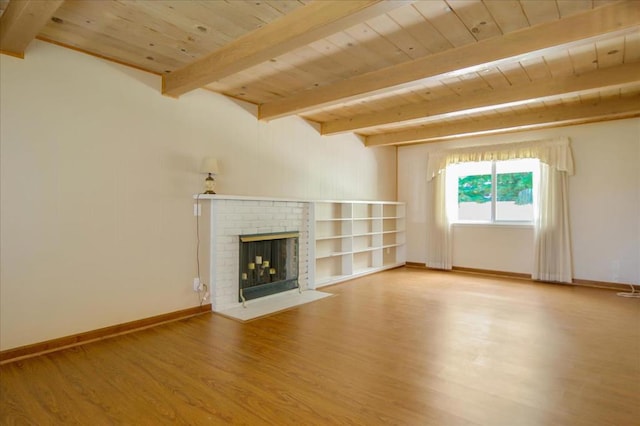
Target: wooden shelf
pixel 333 254
pixel 366 249
pixel 391 245
pixel 364 234
pixel 332 237
pixel 354 238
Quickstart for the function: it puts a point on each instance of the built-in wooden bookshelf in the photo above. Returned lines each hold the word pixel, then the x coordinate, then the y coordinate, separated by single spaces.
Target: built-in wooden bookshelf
pixel 353 238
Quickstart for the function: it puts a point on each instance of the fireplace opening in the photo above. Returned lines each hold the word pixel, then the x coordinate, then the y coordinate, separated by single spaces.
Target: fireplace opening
pixel 268 264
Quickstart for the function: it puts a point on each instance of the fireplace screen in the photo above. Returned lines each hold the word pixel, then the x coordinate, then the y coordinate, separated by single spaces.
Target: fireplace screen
pixel 268 264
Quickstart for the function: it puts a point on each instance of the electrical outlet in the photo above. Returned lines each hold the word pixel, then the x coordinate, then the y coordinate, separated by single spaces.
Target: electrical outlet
pixel 196 284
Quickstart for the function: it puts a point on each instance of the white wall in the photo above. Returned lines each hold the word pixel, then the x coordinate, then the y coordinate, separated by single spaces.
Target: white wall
pixel 507 248
pixel 604 205
pixel 97 175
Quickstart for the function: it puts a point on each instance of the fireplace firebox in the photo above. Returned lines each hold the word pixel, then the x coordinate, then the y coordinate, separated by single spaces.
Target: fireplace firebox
pixel 268 264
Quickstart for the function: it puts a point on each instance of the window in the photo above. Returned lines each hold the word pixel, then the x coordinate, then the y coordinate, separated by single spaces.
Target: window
pixel 492 191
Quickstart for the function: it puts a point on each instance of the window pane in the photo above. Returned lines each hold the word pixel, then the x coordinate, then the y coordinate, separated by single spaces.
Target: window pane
pixel 514 196
pixel 474 192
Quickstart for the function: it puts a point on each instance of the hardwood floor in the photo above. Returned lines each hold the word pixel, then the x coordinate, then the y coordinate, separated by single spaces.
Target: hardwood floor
pixel 402 347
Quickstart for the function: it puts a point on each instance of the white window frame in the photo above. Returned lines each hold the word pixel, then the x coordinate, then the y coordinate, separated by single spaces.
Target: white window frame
pixel 453 174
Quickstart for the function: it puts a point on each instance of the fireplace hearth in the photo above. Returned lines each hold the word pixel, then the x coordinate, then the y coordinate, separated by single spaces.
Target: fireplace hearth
pixel 268 264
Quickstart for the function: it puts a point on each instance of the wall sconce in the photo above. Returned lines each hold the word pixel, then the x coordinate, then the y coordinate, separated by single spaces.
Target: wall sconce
pixel 209 167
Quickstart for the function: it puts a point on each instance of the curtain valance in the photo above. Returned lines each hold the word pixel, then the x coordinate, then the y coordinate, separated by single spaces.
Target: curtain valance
pixel 554 152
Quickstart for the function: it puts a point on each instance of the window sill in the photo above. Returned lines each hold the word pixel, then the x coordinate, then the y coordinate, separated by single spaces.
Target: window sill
pixel 517 225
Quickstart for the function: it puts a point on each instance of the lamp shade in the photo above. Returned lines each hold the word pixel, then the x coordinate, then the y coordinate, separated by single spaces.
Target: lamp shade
pixel 209 165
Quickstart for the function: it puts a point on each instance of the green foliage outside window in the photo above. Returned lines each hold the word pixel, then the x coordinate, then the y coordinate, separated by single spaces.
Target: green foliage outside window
pixel 517 187
pixel 474 189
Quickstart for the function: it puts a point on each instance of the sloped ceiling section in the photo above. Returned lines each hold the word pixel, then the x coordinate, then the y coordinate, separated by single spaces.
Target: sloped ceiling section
pixel 394 72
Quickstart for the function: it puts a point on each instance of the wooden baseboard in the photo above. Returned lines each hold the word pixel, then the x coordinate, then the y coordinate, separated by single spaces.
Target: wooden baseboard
pixel 602 284
pixel 472 271
pixel 505 274
pixel 15 354
pixel 516 275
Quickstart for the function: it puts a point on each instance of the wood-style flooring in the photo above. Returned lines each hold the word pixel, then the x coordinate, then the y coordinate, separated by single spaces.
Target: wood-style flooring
pixel 402 347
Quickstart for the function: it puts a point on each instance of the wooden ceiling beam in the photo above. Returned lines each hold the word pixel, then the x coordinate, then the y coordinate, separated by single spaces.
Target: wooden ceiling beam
pixel 21 22
pixel 547 89
pixel 473 57
pixel 556 116
pixel 304 25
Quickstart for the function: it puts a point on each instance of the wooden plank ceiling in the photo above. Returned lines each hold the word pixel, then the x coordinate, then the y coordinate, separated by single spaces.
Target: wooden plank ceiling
pixel 394 72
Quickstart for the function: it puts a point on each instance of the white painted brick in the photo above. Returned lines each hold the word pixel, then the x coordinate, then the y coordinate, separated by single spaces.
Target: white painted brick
pixel 240 217
pixel 225 240
pixel 228 289
pixel 239 210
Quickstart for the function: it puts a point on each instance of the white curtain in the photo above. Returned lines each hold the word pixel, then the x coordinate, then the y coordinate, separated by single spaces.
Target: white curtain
pixel 438 226
pixel 552 246
pixel 552 242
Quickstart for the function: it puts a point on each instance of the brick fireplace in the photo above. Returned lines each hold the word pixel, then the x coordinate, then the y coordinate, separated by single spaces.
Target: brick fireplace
pixel 230 218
